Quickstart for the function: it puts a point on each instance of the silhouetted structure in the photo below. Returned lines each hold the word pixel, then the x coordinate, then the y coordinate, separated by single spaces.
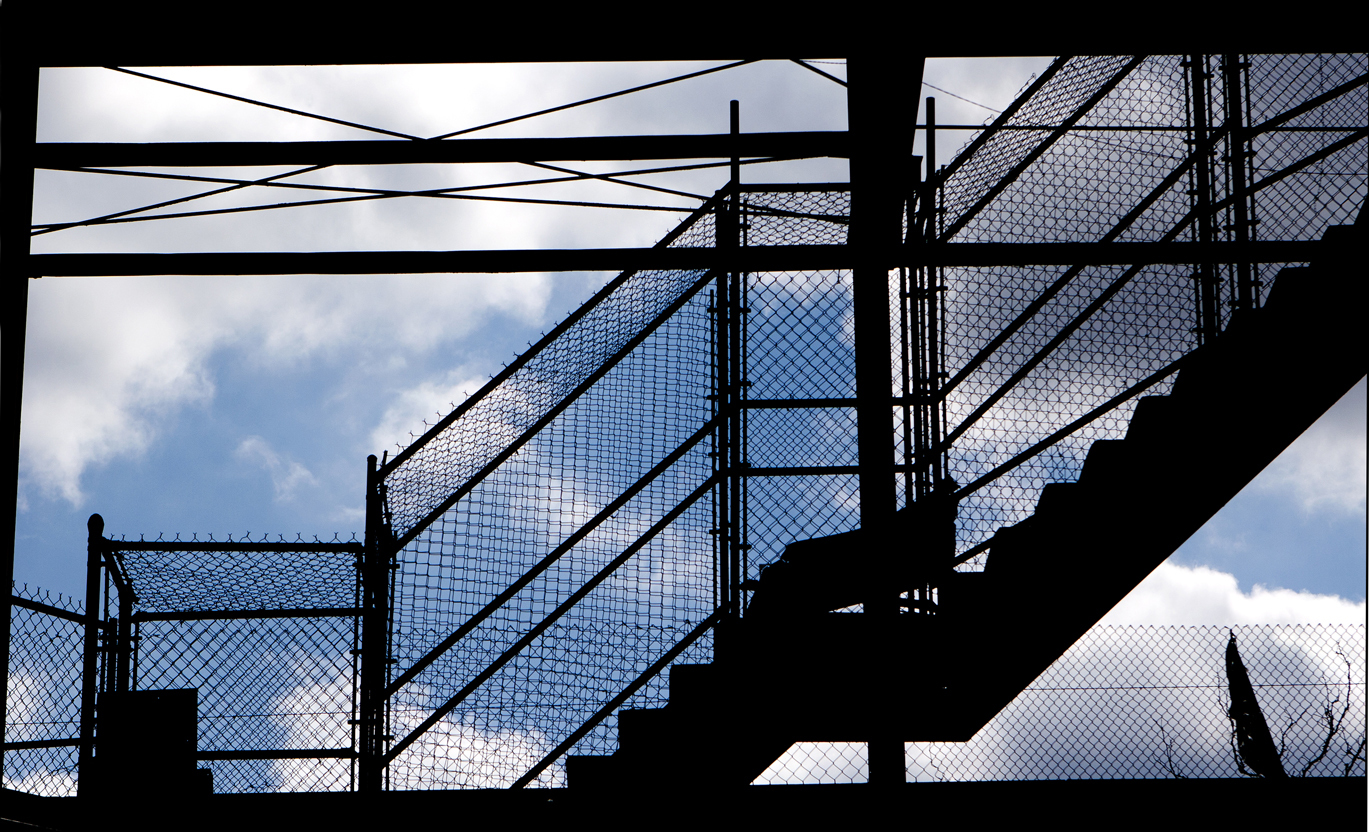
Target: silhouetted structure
pixel 807 445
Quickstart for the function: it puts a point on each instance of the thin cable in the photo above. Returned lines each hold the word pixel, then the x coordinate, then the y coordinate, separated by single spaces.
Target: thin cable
pixel 257 103
pixel 812 68
pixel 961 97
pixel 366 197
pixel 579 174
pixel 594 99
pixel 111 217
pixel 44 228
pixel 115 217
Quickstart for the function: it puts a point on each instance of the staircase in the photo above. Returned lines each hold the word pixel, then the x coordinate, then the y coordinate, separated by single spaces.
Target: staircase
pixel 1236 405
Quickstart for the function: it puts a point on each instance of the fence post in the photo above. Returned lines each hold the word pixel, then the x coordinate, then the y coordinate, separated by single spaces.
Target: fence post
pixel 90 662
pixel 375 575
pixel 123 644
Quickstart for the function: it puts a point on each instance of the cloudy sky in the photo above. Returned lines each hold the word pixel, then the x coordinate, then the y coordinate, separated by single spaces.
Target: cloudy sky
pixel 248 405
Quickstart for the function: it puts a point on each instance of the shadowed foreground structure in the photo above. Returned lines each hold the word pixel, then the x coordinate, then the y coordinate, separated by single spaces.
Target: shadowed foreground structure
pixel 831 463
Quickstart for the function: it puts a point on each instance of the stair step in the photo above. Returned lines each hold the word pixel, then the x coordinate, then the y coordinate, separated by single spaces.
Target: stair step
pixel 1056 499
pixel 1010 552
pixel 592 771
pixel 693 683
pixel 1106 459
pixel 642 727
pixel 1151 419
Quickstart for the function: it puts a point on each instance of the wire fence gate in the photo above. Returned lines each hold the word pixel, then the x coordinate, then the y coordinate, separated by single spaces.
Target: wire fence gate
pixel 535 559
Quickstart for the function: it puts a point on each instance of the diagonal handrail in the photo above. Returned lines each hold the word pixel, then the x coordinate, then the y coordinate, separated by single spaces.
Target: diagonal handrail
pixel 522 360
pixel 1004 117
pixel 1169 181
pixel 1118 284
pixel 569 543
pixel 552 412
pixel 565 606
pixel 1011 176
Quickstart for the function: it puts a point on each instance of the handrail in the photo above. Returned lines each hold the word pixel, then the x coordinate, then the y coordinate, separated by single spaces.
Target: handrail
pixel 542 565
pixel 551 618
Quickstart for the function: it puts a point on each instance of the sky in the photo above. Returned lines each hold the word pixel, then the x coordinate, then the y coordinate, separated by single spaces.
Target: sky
pixel 248 405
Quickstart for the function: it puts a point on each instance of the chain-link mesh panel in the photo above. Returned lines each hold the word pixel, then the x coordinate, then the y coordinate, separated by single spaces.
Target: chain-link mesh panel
pixel 276 683
pixel 1147 702
pixel 266 685
pixel 177 576
pixel 444 462
pixel 649 405
pixel 1082 188
pixel 43 703
pixel 555 496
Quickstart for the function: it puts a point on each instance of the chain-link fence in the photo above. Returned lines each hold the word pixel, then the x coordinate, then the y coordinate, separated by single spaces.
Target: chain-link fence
pixel 601 516
pixel 43 707
pixel 1147 702
pixel 568 496
pixel 1030 349
pixel 266 631
pixel 562 530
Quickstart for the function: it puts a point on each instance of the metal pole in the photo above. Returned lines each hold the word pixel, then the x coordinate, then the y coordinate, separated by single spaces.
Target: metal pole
pixel 90 660
pixel 1237 152
pixel 19 103
pixel 734 375
pixel 1209 284
pixel 881 126
pixel 374 599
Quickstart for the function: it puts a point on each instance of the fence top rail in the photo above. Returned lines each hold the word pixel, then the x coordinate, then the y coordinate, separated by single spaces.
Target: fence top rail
pixel 354 546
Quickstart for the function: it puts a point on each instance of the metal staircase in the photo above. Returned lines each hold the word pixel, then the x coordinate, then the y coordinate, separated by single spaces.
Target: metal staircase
pixel 1238 403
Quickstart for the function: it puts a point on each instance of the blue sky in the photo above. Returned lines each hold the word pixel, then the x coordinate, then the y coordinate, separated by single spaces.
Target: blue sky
pixel 234 405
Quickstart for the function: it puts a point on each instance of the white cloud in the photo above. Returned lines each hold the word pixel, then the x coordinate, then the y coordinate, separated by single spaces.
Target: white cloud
pixel 1324 470
pixel 1196 595
pixel 287 475
pixel 427 402
pixel 111 362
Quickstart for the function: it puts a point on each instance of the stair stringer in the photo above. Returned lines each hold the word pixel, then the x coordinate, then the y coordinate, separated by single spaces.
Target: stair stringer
pixel 1236 405
pixel 1048 580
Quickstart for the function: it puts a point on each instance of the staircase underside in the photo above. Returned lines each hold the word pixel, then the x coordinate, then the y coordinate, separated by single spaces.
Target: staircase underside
pixel 1237 404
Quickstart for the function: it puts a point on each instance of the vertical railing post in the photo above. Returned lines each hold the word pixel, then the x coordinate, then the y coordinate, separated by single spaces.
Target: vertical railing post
pixel 1209 283
pixel 91 659
pixel 1237 157
pixel 375 596
pixel 727 496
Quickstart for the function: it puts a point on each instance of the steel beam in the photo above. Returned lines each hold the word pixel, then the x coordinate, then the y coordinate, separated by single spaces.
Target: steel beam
pixel 750 258
pixel 798 145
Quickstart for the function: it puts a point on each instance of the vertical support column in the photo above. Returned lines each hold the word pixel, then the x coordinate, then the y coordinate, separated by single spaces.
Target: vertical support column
pixel 726 356
pixel 1209 283
pixel 19 104
pixel 883 87
pixel 375 614
pixel 90 663
pixel 736 377
pixel 1238 153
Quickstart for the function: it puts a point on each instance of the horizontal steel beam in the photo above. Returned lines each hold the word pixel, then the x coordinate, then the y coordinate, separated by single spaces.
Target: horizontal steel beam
pixel 69 156
pixel 753 259
pixel 279 754
pixel 24 745
pixel 247 615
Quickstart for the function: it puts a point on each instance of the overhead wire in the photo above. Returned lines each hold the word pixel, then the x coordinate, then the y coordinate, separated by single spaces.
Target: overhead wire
pixel 368 193
pixel 109 218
